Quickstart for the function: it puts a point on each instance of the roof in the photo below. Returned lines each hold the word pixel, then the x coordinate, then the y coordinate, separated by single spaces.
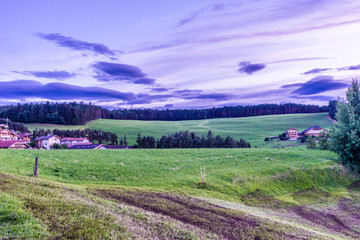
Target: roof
pixel 21 135
pixel 7 144
pixel 46 137
pixel 116 147
pixel 314 128
pixel 73 139
pixel 7 130
pixel 86 146
pixel 293 129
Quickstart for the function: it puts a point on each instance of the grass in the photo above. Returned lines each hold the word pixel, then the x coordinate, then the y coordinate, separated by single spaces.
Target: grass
pixel 16 223
pixel 118 194
pixel 252 129
pixel 230 173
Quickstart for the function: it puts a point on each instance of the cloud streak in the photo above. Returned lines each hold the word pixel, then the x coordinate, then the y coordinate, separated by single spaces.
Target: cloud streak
pixel 75 44
pixel 25 89
pixel 59 75
pixel 317 85
pixel 108 72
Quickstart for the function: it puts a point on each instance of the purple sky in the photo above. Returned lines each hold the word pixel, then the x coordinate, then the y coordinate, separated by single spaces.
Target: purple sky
pixel 126 53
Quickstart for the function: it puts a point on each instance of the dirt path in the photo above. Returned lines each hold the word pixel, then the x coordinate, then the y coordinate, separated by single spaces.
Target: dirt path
pixel 202 124
pixel 225 222
pixel 322 223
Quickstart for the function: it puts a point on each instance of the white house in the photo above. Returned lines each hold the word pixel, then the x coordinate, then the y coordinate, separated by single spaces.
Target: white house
pixel 47 141
pixel 7 135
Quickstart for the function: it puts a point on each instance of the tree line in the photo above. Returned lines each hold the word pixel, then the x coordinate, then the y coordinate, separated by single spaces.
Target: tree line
pixel 80 113
pixel 186 139
pixel 57 113
pixel 15 126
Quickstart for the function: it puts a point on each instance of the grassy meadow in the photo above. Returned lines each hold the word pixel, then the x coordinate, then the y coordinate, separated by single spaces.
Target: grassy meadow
pixel 252 129
pixel 159 194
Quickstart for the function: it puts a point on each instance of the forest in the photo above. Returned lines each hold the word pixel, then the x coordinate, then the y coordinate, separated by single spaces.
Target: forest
pixel 73 113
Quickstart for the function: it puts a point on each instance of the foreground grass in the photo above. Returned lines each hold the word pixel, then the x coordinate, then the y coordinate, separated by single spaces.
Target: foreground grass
pixel 144 194
pixel 230 173
pixel 16 223
pixel 252 129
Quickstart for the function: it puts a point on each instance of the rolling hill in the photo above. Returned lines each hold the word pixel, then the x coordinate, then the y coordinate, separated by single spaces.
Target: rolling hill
pixel 252 129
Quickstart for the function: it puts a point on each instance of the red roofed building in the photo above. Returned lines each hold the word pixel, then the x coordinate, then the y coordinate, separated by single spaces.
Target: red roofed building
pixel 14 145
pixel 293 134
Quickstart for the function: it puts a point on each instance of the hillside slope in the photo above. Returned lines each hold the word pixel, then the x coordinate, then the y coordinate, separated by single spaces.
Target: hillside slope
pixel 252 129
pixel 158 194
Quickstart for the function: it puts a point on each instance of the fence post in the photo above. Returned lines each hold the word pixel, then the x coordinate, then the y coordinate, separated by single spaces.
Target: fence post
pixel 36 172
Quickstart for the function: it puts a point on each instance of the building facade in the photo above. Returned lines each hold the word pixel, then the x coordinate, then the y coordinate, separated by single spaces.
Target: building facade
pixel 46 142
pixel 293 134
pixel 7 135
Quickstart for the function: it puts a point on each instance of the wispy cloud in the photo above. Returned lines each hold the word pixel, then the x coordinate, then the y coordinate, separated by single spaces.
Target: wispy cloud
pixel 27 89
pixel 59 75
pixel 317 70
pixel 75 44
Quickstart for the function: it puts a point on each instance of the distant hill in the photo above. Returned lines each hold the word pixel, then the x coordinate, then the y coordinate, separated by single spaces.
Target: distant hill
pixel 80 113
pixel 252 129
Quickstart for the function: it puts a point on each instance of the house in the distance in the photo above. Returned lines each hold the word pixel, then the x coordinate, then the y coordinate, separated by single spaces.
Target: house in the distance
pixel 293 134
pixel 72 141
pixel 25 137
pixel 313 131
pixel 14 144
pixel 4 126
pixel 7 135
pixel 47 141
pixel 87 146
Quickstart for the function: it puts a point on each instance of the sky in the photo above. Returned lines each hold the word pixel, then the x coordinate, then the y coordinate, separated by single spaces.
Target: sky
pixel 178 54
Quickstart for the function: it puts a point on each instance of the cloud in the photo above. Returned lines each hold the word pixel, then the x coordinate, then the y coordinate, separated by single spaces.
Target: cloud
pixel 59 75
pixel 24 89
pixel 77 45
pixel 317 70
pixel 349 68
pixel 189 18
pixel 317 85
pixel 320 70
pixel 250 68
pixel 169 105
pixel 146 81
pixel 159 89
pixel 107 72
pixel 299 59
pixel 238 36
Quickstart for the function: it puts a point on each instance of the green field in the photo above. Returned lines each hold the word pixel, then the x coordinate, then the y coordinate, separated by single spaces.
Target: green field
pixel 119 194
pixel 252 129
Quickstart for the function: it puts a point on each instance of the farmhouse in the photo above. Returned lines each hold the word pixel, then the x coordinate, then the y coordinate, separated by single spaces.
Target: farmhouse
pixel 7 135
pixel 14 145
pixel 87 146
pixel 312 131
pixel 72 141
pixel 47 141
pixel 25 137
pixel 293 134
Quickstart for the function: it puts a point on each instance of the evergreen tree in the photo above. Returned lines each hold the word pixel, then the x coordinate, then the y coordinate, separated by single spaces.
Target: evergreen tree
pixel 345 133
